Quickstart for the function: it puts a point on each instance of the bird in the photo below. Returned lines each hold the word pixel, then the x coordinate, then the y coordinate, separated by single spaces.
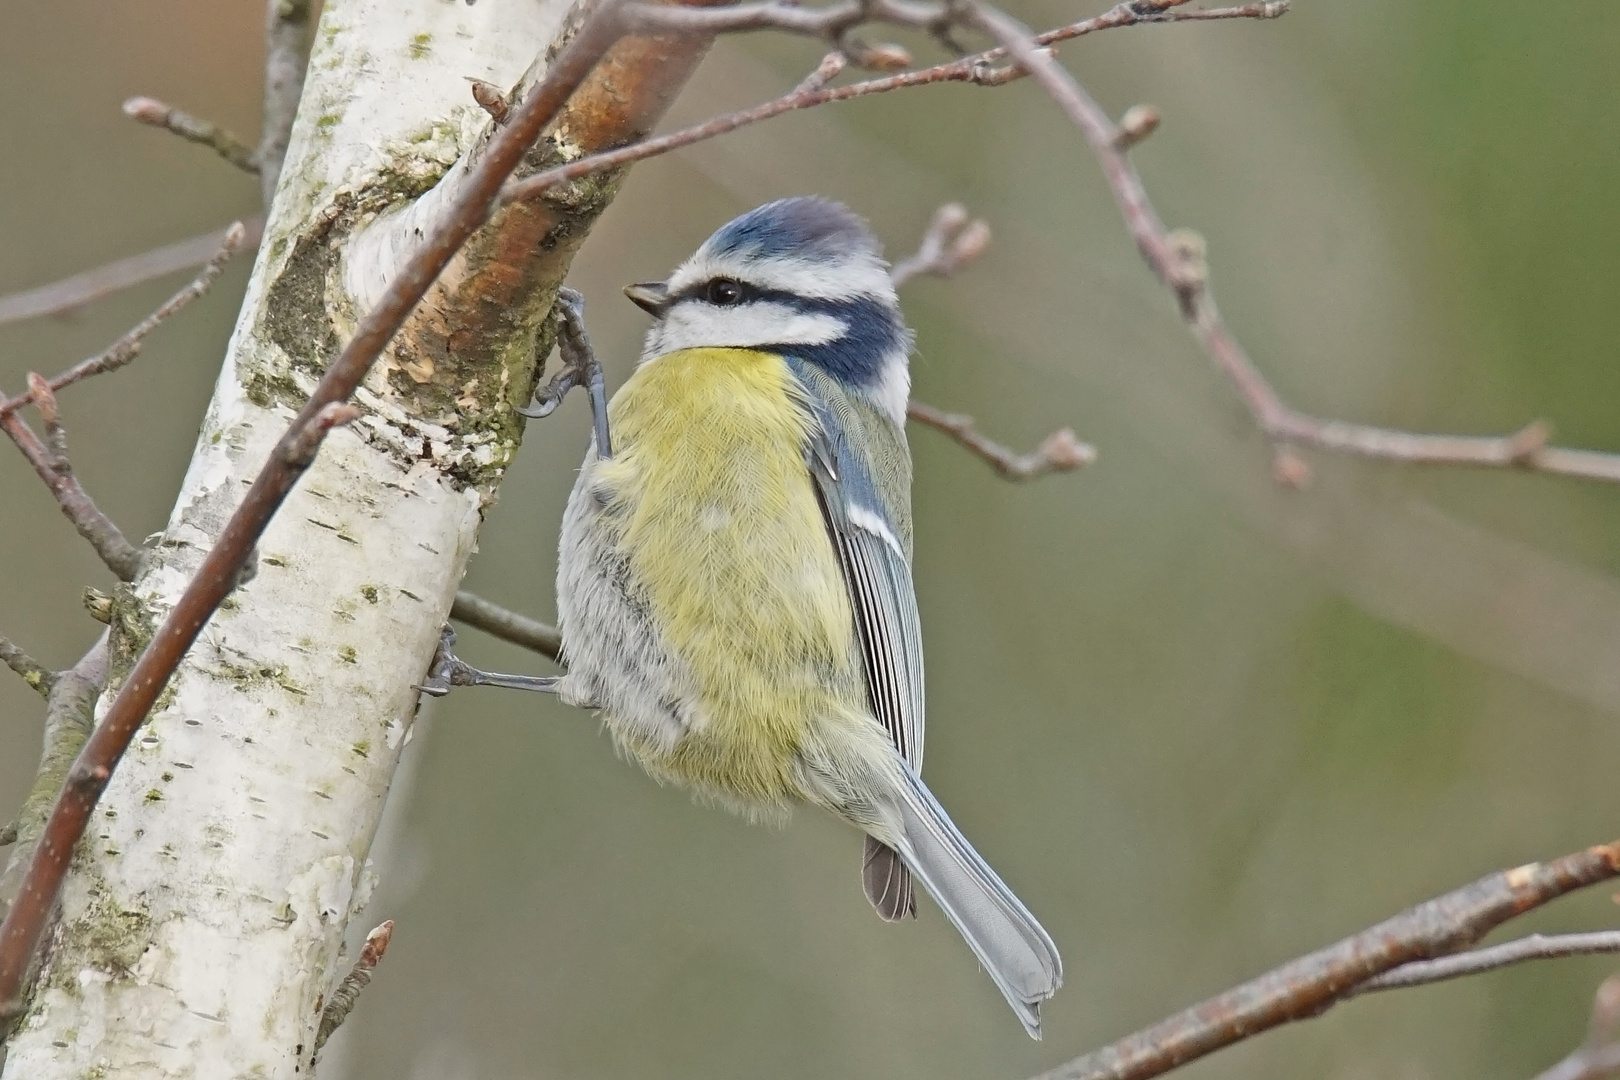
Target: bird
pixel 734 585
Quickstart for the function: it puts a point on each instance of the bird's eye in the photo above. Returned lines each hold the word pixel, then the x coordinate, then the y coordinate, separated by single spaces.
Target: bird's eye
pixel 724 292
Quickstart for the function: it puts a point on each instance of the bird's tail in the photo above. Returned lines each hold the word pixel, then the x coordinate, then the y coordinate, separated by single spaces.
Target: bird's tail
pixel 1011 945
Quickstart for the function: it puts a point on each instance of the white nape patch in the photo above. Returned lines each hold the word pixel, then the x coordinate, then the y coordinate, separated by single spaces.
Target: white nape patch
pixel 892 390
pixel 713 518
pixel 862 518
pixel 693 324
pixel 840 279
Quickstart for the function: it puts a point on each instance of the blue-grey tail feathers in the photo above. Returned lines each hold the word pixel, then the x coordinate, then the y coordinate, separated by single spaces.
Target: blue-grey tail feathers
pixel 1011 945
pixel 887 882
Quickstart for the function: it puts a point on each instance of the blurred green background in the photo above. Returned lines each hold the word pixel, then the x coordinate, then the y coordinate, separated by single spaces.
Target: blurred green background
pixel 1200 723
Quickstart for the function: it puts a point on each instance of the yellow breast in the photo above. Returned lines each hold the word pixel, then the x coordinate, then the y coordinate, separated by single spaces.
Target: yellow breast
pixel 718 519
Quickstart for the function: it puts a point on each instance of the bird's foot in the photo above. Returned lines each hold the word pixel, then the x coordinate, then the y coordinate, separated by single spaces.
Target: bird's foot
pixel 448 670
pixel 580 368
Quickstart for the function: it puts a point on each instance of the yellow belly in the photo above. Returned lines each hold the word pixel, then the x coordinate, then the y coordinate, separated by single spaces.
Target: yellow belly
pixel 717 515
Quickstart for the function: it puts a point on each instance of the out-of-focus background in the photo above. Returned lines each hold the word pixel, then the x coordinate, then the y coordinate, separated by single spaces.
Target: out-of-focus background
pixel 1200 723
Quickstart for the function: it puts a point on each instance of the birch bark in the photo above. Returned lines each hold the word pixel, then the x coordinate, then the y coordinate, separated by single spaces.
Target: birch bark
pixel 202 923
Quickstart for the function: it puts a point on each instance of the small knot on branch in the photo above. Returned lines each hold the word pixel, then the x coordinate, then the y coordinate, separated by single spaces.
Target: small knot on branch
pixel 1524 444
pixel 831 66
pixel 491 100
pixel 1188 271
pixel 1150 8
pixel 884 56
pixel 1289 469
pixel 953 240
pixel 1063 451
pixel 1138 123
pixel 98 604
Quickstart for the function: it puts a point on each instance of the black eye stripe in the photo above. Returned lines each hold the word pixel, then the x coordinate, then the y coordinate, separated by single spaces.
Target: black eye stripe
pixel 702 291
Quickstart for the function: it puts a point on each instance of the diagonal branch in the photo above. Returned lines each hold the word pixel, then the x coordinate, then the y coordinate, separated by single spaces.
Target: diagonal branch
pixel 286 56
pixel 1178 260
pixel 50 462
pixel 154 113
pixel 71 293
pixel 127 347
pixel 1308 986
pixel 25 922
pixel 980 69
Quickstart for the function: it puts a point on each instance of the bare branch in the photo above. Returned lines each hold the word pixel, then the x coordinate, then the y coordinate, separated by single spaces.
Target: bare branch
pixel 952 241
pixel 342 1001
pixel 25 922
pixel 72 293
pixel 286 55
pixel 1598 1058
pixel 1060 452
pixel 50 462
pixel 1308 986
pixel 69 716
pixel 127 347
pixel 1476 961
pixel 1178 259
pixel 154 113
pixel 978 69
pixel 32 672
pixel 491 618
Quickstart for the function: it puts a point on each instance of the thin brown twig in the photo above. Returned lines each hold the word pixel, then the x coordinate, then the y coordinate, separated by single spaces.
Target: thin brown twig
pixel 1306 987
pixel 491 618
pixel 286 56
pixel 31 671
pixel 1059 452
pixel 158 114
pixel 25 922
pixel 1478 961
pixel 128 346
pixel 952 241
pixel 342 1001
pixel 979 69
pixel 1178 260
pixel 51 463
pixel 1598 1057
pixel 71 293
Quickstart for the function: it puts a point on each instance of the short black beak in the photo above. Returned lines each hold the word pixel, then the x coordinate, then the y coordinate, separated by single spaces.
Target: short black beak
pixel 650 296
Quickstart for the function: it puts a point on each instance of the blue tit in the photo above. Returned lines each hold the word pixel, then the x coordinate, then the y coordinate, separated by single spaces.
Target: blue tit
pixel 734 581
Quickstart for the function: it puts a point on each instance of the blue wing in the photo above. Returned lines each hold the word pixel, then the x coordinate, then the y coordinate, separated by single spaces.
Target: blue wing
pixel 868 522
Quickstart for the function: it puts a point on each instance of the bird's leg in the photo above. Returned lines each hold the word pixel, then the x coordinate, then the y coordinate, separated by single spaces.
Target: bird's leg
pixel 448 669
pixel 580 368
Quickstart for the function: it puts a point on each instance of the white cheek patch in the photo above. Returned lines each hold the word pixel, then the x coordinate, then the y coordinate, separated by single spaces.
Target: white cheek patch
pixel 693 324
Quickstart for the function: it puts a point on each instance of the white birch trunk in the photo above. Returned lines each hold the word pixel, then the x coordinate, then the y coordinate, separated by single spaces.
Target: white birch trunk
pixel 202 923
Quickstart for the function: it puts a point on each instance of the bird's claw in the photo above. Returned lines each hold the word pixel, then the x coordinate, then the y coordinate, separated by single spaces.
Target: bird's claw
pixel 448 670
pixel 580 368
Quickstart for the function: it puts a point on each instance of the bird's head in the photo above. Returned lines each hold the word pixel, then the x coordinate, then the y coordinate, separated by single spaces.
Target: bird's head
pixel 800 277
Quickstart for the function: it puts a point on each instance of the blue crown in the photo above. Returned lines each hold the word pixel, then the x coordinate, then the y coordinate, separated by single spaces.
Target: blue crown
pixel 807 227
